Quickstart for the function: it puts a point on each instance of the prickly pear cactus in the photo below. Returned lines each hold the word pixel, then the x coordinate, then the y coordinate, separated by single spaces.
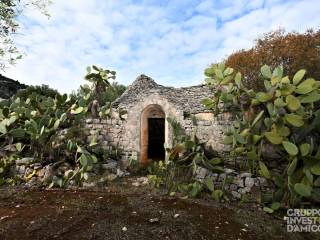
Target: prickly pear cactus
pixel 284 119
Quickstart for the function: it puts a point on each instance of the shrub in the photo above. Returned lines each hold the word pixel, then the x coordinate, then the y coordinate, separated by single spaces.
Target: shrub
pixel 177 172
pixel 293 51
pixel 31 124
pixel 283 120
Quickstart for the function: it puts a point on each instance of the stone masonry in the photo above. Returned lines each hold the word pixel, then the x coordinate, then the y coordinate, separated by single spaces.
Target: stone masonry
pixel 182 104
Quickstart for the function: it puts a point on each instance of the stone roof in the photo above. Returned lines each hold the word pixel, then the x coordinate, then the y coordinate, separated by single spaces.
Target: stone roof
pixel 187 99
pixel 9 87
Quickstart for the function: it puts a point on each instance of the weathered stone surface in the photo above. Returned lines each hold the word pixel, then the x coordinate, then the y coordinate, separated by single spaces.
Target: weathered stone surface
pixel 239 181
pixel 201 173
pixel 120 173
pixel 22 169
pixel 89 184
pixel 25 161
pixel 48 173
pixel 233 187
pixel 244 190
pixel 236 195
pixel 244 175
pixel 187 99
pixel 36 166
pixel 109 166
pixel 249 182
pixel 228 171
pixel 262 181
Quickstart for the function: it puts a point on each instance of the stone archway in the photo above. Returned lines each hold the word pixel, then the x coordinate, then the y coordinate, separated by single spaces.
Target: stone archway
pixel 153 134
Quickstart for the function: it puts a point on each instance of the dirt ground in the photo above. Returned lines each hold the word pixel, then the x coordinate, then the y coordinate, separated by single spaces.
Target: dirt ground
pixel 122 211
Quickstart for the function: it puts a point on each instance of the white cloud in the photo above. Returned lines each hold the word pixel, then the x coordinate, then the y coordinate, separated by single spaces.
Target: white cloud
pixel 172 42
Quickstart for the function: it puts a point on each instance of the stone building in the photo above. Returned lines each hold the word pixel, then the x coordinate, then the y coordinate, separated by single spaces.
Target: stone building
pixel 144 130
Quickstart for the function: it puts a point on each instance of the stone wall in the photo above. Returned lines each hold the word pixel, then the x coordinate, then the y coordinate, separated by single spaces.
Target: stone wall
pixel 237 185
pixel 125 133
pixel 209 129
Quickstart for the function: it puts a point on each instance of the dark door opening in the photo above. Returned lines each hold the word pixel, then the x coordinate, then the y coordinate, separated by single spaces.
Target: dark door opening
pixel 156 138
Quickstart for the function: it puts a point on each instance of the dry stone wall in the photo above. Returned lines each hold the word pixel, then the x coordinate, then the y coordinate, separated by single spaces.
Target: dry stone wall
pixel 124 133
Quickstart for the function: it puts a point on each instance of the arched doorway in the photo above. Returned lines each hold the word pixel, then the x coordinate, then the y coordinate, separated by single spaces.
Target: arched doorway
pixel 152 134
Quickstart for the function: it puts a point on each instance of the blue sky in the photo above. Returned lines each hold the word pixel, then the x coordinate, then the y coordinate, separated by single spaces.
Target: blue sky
pixel 171 41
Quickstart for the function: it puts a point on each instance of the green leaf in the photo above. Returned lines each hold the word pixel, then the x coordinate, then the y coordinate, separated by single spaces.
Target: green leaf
pixel 292 166
pixel 279 103
pixel 94 159
pixel 266 71
pixel 306 86
pixel 217 194
pixel 209 184
pixel 278 72
pixel 209 72
pixel 17 132
pixel 195 190
pixel 264 170
pixel 3 128
pixel 42 130
pixel 221 66
pixel 302 189
pixel 93 141
pixel 315 169
pixel 310 98
pixel 56 124
pixel 273 137
pixel 172 194
pixel 239 138
pixel 77 111
pixel 208 103
pixel 275 205
pixel 304 149
pixel 308 177
pixel 228 71
pixel 285 80
pixel 267 85
pixel 293 103
pixel 245 132
pixel 215 161
pixel 294 119
pixel 219 73
pixel 228 140
pixel 19 147
pixel 290 148
pixel 237 79
pixel 268 210
pixel 240 149
pixel 317 182
pixel 298 76
pixel 263 97
pixel 256 138
pixel 84 160
pixel 63 117
pixel 287 89
pixel 258 117
pixel 283 131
